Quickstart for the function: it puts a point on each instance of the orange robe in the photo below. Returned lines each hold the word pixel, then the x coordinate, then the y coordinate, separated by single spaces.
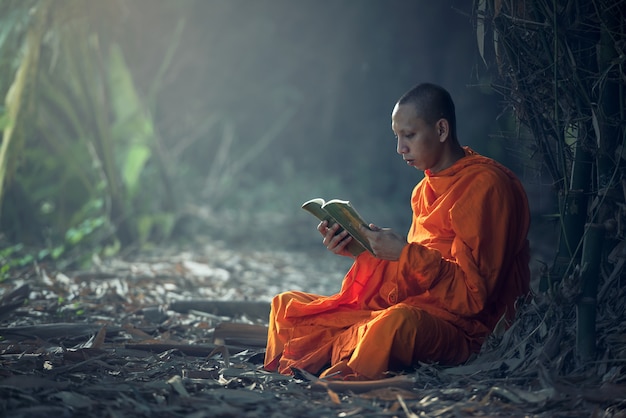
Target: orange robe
pixel 464 267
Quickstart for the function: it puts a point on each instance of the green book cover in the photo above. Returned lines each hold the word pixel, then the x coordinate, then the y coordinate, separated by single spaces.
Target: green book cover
pixel 343 213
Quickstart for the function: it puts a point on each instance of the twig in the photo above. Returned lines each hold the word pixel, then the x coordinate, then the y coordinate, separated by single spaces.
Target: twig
pixel 406 410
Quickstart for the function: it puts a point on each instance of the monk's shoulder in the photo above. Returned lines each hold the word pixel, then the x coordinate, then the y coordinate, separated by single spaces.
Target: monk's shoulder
pixel 486 173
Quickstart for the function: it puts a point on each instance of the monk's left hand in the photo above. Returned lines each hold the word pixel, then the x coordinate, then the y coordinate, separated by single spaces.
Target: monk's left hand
pixel 387 245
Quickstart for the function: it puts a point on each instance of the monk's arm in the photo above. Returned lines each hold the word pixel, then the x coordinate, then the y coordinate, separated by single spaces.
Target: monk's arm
pixel 485 242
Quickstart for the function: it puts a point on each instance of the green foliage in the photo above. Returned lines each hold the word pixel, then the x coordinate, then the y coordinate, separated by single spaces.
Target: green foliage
pixel 20 99
pixel 16 257
pixel 132 131
pixel 15 17
pixel 93 137
pixel 75 235
pixel 4 119
pixel 10 258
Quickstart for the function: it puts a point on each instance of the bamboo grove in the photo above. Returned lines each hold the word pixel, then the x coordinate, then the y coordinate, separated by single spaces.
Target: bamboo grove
pixel 560 66
pixel 73 114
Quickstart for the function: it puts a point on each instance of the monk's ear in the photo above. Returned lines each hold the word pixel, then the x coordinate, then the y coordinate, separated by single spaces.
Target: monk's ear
pixel 443 129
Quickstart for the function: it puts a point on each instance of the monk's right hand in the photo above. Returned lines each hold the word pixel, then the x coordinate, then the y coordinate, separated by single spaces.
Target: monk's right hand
pixel 333 241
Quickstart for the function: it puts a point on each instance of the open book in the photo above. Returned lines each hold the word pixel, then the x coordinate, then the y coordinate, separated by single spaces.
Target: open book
pixel 341 212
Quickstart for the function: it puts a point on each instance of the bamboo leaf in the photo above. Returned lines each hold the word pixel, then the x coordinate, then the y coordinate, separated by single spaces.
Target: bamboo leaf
pixel 19 97
pixel 4 121
pixel 133 124
pixel 136 157
pixel 124 99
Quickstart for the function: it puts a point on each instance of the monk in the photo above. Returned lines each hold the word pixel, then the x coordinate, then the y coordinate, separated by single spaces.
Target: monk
pixel 430 297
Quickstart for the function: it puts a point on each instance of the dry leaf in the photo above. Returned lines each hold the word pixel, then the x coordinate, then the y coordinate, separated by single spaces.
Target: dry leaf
pixel 333 396
pixel 98 342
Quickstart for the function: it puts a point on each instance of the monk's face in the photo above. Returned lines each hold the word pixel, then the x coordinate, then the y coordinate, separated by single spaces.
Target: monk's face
pixel 420 144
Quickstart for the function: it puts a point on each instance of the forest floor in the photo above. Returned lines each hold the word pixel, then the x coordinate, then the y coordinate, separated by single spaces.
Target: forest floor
pixel 180 333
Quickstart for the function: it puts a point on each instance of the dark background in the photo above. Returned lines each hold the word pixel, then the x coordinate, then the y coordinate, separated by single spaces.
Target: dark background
pixel 335 68
pixel 260 105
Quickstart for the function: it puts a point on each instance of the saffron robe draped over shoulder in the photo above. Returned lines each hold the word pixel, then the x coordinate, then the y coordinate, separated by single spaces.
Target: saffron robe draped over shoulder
pixel 466 263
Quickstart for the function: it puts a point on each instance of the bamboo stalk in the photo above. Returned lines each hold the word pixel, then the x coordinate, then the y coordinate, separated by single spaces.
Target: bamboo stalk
pixel 586 306
pixel 573 212
pixel 19 98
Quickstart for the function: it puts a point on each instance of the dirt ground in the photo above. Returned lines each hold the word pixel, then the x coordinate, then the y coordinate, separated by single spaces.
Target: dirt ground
pixel 179 333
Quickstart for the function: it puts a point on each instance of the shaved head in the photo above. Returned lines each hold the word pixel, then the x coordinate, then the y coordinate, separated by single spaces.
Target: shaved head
pixel 431 102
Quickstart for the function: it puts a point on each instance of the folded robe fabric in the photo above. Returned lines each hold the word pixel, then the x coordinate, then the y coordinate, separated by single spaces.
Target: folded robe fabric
pixel 464 268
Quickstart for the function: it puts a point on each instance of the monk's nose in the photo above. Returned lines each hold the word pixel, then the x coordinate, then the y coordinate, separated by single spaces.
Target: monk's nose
pixel 401 148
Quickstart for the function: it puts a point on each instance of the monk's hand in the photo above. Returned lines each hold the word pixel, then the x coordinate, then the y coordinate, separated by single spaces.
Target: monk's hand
pixel 333 241
pixel 386 244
